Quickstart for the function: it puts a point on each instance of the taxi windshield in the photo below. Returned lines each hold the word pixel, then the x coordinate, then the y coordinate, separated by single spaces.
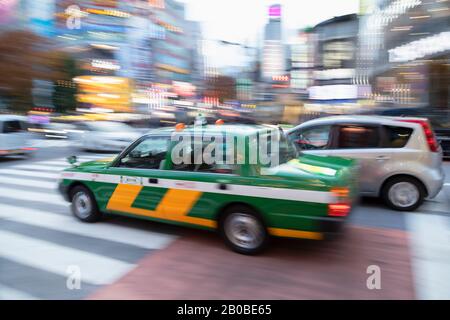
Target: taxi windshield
pixel 287 150
pixel 278 150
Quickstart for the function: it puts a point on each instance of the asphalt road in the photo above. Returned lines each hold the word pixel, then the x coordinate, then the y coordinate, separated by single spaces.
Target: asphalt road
pixel 42 242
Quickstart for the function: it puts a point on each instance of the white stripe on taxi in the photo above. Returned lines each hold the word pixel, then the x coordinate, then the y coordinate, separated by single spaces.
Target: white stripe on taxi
pixel 209 187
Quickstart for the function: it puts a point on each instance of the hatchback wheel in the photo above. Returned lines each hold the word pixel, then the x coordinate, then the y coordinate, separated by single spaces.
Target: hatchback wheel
pixel 84 207
pixel 243 230
pixel 403 194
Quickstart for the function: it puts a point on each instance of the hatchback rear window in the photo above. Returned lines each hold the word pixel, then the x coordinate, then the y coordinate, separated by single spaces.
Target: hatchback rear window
pixel 396 137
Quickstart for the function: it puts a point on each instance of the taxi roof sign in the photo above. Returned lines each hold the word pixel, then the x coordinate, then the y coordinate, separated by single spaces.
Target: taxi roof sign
pixel 180 126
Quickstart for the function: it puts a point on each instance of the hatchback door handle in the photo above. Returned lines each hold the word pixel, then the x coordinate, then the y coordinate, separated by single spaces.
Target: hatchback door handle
pixel 381 158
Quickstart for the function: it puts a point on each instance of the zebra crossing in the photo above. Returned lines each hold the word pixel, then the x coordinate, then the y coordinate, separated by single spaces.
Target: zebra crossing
pixel 42 244
pixel 49 143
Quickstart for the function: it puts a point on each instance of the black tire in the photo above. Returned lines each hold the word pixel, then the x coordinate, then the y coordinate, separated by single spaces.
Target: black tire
pixel 255 228
pixel 80 195
pixel 420 189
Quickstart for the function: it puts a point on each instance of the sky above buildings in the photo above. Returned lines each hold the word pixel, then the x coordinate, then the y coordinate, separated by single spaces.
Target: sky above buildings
pixel 243 21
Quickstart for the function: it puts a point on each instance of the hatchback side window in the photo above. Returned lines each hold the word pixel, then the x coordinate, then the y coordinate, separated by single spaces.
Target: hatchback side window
pixel 396 137
pixel 150 153
pixel 358 137
pixel 12 126
pixel 316 138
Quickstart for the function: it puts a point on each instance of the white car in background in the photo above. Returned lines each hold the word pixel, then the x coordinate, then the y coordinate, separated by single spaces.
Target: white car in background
pixel 105 135
pixel 14 137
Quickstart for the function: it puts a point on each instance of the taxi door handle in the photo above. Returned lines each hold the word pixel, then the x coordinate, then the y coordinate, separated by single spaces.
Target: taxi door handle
pixel 382 158
pixel 153 180
pixel 222 186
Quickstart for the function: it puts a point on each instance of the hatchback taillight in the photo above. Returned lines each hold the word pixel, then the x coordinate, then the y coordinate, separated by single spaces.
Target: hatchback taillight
pixel 429 134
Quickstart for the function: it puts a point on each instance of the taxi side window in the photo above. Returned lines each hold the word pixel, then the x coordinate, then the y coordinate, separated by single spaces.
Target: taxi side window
pixel 200 165
pixel 150 153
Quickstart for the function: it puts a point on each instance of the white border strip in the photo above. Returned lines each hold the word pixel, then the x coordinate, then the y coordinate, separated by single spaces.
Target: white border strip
pixel 210 187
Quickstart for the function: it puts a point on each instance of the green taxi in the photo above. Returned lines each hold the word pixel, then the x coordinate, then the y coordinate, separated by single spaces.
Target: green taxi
pixel 234 189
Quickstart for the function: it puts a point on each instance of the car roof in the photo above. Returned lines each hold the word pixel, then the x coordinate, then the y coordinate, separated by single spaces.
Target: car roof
pixel 233 129
pixel 363 119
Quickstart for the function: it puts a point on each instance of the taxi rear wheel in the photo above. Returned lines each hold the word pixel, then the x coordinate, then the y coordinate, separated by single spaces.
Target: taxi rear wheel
pixel 84 207
pixel 243 230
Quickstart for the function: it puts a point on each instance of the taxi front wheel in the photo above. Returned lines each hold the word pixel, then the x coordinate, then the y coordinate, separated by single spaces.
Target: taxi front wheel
pixel 84 207
pixel 243 230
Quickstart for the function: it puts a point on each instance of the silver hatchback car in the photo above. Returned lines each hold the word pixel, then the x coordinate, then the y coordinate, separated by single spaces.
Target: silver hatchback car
pixel 399 158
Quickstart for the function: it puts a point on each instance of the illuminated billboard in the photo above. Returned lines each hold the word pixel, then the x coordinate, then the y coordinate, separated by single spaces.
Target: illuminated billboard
pixel 113 93
pixel 275 11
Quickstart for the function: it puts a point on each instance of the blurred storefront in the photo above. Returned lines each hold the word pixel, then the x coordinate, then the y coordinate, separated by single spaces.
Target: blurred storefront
pixel 104 93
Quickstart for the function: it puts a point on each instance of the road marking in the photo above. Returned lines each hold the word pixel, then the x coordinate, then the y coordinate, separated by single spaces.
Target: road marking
pixel 43 197
pixel 106 231
pixel 38 167
pixel 61 163
pixel 7 293
pixel 430 247
pixel 95 269
pixel 38 174
pixel 29 182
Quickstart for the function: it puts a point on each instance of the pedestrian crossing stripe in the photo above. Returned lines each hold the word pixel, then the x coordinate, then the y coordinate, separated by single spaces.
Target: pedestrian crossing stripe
pixel 42 252
pixel 107 231
pixel 56 258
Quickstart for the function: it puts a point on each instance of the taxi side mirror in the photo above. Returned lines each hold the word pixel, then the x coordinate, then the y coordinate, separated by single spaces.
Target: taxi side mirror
pixel 72 160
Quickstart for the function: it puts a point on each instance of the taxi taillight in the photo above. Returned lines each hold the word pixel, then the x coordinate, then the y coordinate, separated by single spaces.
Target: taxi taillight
pixel 341 192
pixel 341 207
pixel 338 209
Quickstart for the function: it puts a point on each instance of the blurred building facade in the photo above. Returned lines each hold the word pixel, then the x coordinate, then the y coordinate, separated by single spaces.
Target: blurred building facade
pixel 36 16
pixel 171 56
pixel 335 67
pixel 148 42
pixel 407 51
pixel 273 52
pixel 303 61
